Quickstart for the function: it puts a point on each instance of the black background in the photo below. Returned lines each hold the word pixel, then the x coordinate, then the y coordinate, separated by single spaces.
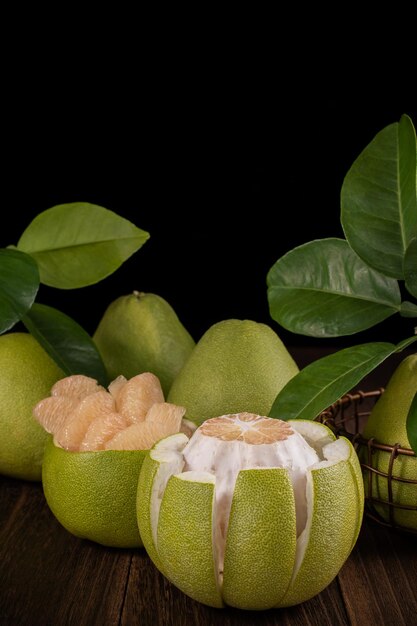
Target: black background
pixel 225 186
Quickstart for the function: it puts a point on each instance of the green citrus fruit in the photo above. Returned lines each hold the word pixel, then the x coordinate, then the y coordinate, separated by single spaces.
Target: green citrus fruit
pixel 93 494
pixel 142 333
pixel 387 424
pixel 100 438
pixel 238 365
pixel 27 374
pixel 251 512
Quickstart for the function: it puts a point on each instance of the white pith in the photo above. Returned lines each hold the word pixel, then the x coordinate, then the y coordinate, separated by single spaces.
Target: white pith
pixel 332 452
pixel 207 459
pixel 168 454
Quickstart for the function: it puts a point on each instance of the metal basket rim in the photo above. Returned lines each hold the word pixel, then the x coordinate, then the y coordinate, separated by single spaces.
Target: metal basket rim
pixel 329 415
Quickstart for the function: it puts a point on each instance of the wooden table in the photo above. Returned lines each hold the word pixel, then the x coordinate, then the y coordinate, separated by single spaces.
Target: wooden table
pixel 49 577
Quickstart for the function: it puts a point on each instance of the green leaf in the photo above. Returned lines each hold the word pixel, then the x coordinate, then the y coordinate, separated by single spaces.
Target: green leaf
pixel 323 289
pixel 379 203
pixel 79 244
pixel 65 341
pixel 326 380
pixel 19 284
pixel 408 309
pixel 410 267
pixel 412 424
pixel 405 343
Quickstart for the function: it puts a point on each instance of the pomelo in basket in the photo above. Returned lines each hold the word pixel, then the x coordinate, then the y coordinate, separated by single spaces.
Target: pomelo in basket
pixel 99 440
pixel 26 375
pixel 238 365
pixel 251 512
pixel 387 424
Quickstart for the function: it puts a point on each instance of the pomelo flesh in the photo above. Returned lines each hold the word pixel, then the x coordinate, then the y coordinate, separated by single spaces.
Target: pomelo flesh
pixel 130 415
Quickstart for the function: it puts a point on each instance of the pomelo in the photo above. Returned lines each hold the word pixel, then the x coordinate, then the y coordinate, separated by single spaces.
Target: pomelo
pixel 141 332
pixel 387 425
pixel 27 375
pixel 238 365
pixel 100 438
pixel 251 512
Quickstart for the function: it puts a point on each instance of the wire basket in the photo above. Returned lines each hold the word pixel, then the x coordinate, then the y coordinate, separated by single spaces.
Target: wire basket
pixel 348 417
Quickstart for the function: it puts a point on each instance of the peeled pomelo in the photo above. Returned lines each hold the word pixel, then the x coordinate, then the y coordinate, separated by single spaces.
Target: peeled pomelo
pixel 238 365
pixel 251 511
pixel 91 465
pixel 387 425
pixel 141 332
pixel 27 375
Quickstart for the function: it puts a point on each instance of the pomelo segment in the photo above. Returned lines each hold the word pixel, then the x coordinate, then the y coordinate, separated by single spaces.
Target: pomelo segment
pixel 130 415
pixel 103 429
pixel 139 436
pixel 76 386
pixel 137 396
pixel 52 412
pixel 232 519
pixel 116 386
pixel 94 406
pixel 167 415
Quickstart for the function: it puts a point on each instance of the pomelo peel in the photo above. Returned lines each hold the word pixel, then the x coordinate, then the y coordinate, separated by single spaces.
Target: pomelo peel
pixel 92 494
pixel 254 525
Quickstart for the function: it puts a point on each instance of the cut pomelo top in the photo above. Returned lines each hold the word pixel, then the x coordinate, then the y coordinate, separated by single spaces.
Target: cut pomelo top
pixel 246 427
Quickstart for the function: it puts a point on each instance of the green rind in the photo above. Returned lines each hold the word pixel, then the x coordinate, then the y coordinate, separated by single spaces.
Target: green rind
pixel 185 539
pixel 146 481
pixel 27 375
pixel 261 540
pixel 93 494
pixel 358 479
pixel 333 527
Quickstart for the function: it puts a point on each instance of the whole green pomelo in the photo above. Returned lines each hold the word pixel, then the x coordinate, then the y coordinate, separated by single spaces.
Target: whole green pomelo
pixel 139 333
pixel 237 366
pixel 387 424
pixel 27 374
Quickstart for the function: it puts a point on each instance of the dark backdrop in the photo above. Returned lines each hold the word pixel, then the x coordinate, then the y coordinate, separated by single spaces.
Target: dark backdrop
pixel 223 188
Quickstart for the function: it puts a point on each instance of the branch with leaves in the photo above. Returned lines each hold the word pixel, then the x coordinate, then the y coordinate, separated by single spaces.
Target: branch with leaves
pixel 67 246
pixel 337 287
